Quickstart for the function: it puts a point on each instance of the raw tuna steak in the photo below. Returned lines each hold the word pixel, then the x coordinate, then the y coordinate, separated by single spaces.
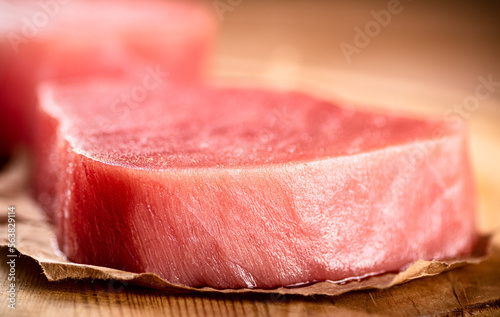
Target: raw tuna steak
pixel 246 188
pixel 61 40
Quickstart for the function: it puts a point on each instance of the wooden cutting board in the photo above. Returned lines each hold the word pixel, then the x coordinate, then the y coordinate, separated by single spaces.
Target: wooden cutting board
pixel 427 60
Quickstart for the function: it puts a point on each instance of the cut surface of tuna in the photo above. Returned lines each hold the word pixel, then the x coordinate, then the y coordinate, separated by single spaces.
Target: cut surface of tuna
pixel 244 188
pixel 63 40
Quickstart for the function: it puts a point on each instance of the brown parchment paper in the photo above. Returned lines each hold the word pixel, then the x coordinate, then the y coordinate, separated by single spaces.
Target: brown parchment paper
pixel 35 239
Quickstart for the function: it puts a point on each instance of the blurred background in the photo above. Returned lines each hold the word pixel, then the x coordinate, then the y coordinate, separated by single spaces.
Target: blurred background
pixel 439 58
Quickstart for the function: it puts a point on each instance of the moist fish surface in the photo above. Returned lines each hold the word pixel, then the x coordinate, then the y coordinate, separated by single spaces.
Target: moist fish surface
pixel 65 40
pixel 248 188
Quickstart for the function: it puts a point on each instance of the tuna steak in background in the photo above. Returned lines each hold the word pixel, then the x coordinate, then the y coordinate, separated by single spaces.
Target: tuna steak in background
pixel 62 40
pixel 242 188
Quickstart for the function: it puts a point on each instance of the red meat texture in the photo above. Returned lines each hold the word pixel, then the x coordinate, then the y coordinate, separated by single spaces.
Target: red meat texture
pixel 243 188
pixel 69 40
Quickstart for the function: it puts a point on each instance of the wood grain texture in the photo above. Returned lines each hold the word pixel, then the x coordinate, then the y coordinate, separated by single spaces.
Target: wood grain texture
pixel 466 291
pixel 427 60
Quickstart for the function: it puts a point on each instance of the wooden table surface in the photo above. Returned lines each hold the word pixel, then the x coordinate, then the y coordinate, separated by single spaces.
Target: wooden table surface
pixel 428 59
